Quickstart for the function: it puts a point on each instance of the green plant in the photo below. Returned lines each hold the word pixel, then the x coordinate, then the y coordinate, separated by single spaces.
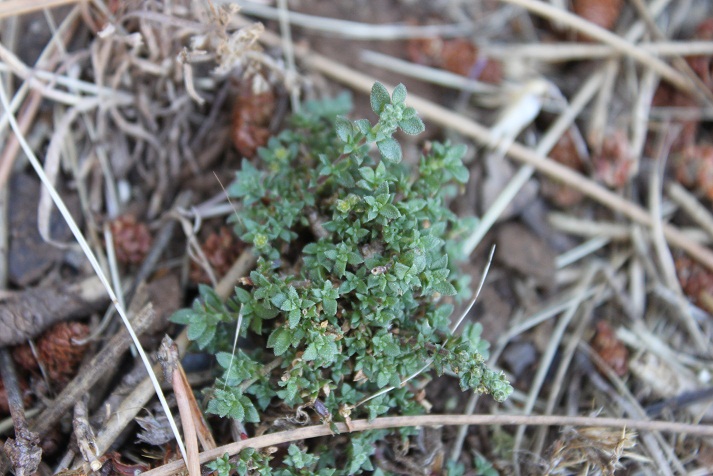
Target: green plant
pixel 353 272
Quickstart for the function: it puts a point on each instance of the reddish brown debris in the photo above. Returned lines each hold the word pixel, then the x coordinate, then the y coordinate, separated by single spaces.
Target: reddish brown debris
pixel 693 167
pixel 118 467
pixel 132 239
pixel 603 13
pixel 221 249
pixel 58 352
pixel 253 110
pixel 459 56
pixel 613 163
pixel 59 355
pixel 565 152
pixel 610 348
pixel 696 282
pixel 703 65
pixel 668 96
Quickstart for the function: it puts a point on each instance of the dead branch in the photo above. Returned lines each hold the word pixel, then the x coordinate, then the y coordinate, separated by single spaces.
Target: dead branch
pixel 26 314
pixel 24 451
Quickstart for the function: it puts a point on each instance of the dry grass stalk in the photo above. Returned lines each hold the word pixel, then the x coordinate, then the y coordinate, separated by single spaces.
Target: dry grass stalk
pixel 169 360
pixel 609 38
pixel 563 52
pixel 315 431
pixel 14 8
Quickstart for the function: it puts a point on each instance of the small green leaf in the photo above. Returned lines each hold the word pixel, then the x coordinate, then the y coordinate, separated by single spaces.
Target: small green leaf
pixel 280 340
pixel 183 316
pixel 389 211
pixel 330 307
pixel 400 270
pixel 412 125
pixel 280 300
pixel 399 94
pixel 367 173
pixel 242 295
pixel 379 97
pixel 445 288
pixel 310 353
pixel 460 173
pixel 340 267
pixel 343 128
pixel 294 318
pixel 392 349
pixel 390 150
pixel 363 125
pixel 196 328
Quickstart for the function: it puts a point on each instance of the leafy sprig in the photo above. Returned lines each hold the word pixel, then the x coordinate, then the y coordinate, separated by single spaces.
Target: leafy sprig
pixel 354 262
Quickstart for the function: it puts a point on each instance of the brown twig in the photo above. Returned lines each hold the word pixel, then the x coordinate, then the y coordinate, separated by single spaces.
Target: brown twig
pixel 24 451
pixel 84 433
pixel 315 431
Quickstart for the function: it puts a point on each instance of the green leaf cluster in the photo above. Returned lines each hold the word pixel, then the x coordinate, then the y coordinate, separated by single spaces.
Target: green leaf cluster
pixel 353 270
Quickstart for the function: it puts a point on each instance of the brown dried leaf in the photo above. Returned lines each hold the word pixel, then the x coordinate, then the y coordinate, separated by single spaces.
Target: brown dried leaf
pixel 253 109
pixel 127 469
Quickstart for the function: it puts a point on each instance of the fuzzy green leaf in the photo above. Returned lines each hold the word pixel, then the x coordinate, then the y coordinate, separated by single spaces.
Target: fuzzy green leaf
pixel 242 295
pixel 390 150
pixel 343 128
pixel 183 316
pixel 379 97
pixel 294 318
pixel 399 94
pixel 310 353
pixel 367 173
pixel 196 328
pixel 280 340
pixel 330 307
pixel 389 211
pixel 412 126
pixel 445 288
